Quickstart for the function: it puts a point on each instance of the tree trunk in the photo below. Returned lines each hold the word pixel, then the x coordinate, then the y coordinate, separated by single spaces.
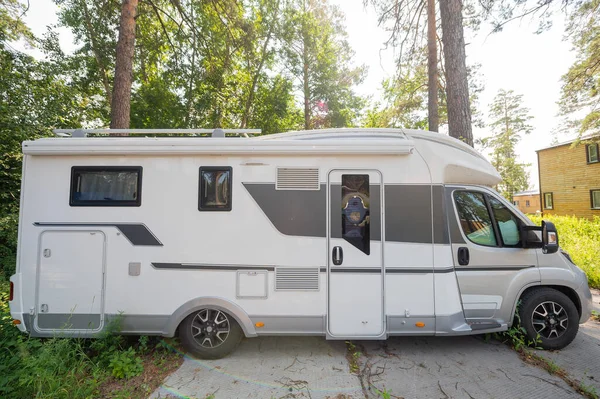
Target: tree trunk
pixel 121 98
pixel 457 88
pixel 432 69
pixel 306 90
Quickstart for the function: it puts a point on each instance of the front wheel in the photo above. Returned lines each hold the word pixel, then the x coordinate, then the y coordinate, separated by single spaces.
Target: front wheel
pixel 210 334
pixel 549 317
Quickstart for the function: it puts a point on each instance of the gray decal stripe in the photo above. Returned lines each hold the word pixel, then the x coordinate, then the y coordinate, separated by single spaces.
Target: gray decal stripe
pixel 136 233
pixel 199 266
pixel 419 271
pixel 408 213
pixel 490 268
pixel 354 270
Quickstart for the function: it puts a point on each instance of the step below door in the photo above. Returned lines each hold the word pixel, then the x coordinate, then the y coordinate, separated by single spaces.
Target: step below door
pixel 70 281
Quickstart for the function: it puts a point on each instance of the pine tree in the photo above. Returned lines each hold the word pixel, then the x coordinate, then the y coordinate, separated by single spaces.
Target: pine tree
pixel 509 120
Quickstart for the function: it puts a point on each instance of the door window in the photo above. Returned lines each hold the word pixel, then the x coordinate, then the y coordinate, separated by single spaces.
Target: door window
pixel 474 218
pixel 355 211
pixel 507 223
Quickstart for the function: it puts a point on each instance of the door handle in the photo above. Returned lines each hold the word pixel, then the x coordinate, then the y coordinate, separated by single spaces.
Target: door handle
pixel 337 256
pixel 463 256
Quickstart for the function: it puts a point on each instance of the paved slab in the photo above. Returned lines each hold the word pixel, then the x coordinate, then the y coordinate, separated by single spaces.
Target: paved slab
pixel 404 367
pixel 581 359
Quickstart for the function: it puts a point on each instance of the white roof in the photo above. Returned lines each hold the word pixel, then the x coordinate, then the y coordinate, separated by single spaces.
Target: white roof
pixel 449 160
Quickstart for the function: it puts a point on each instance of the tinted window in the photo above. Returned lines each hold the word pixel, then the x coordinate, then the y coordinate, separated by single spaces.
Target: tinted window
pixel 548 201
pixel 507 223
pixel 215 189
pixel 595 199
pixel 106 186
pixel 592 152
pixel 356 226
pixel 474 218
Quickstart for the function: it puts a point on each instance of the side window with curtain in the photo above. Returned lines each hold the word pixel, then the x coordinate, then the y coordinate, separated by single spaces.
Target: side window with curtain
pixel 215 188
pixel 507 223
pixel 475 219
pixel 106 186
pixel 356 226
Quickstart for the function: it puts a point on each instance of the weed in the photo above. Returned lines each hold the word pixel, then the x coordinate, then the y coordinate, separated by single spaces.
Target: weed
pixel 125 364
pixel 595 315
pixel 552 367
pixel 352 355
pixel 385 394
pixel 517 335
pixel 588 390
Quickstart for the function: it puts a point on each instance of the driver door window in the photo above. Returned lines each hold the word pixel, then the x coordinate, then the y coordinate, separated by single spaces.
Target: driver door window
pixel 486 221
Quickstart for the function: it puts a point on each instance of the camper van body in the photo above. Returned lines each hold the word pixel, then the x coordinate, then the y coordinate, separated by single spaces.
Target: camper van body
pixel 349 234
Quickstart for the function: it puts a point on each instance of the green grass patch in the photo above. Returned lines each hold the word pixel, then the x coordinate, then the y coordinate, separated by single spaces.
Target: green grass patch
pixel 78 368
pixel 580 237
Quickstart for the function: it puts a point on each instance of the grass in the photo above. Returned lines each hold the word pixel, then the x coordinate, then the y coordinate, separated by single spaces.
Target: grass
pixel 111 366
pixel 581 239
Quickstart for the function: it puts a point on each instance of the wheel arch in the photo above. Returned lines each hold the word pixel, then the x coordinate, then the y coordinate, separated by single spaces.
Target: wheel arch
pixel 568 291
pixel 222 304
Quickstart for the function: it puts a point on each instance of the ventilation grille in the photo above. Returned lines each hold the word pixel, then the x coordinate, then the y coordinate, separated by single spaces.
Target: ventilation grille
pixel 297 179
pixel 297 278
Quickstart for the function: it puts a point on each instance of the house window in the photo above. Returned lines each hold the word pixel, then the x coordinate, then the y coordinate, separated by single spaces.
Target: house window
pixel 592 153
pixel 548 201
pixel 106 186
pixel 215 188
pixel 516 203
pixel 595 194
pixel 527 203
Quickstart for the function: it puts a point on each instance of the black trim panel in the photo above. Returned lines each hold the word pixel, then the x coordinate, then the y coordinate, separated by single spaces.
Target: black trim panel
pixel 136 233
pixel 194 266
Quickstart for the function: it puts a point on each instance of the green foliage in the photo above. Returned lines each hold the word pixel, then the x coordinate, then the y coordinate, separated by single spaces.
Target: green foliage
pixel 517 335
pixel 581 84
pixel 12 26
pixel 316 52
pixel 509 120
pixel 125 364
pixel 580 237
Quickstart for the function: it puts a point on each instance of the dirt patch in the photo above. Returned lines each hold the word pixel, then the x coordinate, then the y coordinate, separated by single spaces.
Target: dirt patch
pixel 158 365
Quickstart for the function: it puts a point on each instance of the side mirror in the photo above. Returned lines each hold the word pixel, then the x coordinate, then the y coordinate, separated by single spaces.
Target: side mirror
pixel 549 238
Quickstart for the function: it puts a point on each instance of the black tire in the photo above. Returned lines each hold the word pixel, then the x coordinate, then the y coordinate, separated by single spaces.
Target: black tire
pixel 210 333
pixel 552 315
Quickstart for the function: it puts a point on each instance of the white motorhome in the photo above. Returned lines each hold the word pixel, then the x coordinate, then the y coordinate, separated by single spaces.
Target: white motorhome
pixel 344 233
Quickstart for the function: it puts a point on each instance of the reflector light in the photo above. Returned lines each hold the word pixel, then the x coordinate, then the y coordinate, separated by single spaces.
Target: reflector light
pixel 16 322
pixel 260 324
pixel 420 324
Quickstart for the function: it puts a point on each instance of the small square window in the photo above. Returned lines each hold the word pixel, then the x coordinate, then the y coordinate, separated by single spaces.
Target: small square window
pixel 595 194
pixel 592 153
pixel 106 186
pixel 548 201
pixel 215 188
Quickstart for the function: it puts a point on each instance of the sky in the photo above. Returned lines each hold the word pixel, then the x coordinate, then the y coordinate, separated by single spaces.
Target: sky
pixel 514 59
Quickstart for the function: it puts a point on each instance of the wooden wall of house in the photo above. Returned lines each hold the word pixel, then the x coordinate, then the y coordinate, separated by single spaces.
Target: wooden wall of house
pixel 565 172
pixel 534 203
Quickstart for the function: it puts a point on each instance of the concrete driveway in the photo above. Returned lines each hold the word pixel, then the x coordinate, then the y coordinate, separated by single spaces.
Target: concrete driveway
pixel 401 367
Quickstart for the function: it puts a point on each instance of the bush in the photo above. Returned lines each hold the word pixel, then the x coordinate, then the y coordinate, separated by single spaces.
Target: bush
pixel 580 237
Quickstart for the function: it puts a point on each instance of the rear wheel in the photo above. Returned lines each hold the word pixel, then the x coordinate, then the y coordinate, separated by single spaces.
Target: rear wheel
pixel 210 334
pixel 550 315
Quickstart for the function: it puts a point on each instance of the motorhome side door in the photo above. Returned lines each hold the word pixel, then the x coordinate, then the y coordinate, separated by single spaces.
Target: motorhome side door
pixel 489 259
pixel 355 254
pixel 70 281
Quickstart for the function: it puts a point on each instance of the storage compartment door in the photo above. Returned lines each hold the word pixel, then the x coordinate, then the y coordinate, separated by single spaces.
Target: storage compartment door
pixel 70 281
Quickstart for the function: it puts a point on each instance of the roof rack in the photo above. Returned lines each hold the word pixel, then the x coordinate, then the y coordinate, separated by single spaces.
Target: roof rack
pixel 212 132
